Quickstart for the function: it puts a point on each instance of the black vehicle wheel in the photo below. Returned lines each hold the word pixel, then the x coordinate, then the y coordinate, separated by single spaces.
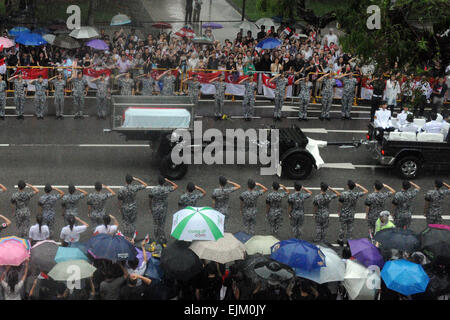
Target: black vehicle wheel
pixel 170 170
pixel 409 167
pixel 297 166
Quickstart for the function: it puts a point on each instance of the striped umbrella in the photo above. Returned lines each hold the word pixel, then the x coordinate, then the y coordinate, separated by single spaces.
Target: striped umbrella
pixel 6 43
pixel 197 223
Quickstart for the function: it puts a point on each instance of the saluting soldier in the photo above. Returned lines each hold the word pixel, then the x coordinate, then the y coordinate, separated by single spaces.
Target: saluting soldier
pixel 221 197
pixel 40 96
pixel 126 85
pixel 103 90
pixel 281 83
pixel 273 203
pixel 375 204
pixel 322 210
pixel 59 83
pixel 69 202
pixel 348 93
pixel 158 207
pixel 249 200
pixel 296 201
pixel 248 103
pixel 304 95
pixel 128 205
pixel 79 92
pixel 190 198
pixel 194 88
pixel 403 201
pixel 96 203
pixel 168 83
pixel 147 84
pixel 433 202
pixel 2 97
pixel 20 200
pixel 348 200
pixel 47 206
pixel 219 96
pixel 19 94
pixel 329 82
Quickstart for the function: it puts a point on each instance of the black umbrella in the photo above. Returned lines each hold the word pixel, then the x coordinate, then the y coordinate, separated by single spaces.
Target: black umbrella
pixel 435 244
pixel 180 263
pixel 400 239
pixel 42 257
pixel 274 271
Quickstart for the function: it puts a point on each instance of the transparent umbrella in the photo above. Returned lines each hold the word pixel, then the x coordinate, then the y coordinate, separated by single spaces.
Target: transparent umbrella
pixel 84 33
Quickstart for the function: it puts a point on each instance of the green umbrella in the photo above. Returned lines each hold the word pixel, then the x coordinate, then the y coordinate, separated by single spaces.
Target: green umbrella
pixel 202 40
pixel 197 223
pixel 72 270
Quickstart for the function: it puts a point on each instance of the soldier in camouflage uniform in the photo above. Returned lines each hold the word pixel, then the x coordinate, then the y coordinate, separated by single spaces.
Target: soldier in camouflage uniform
pixel 128 205
pixel 102 92
pixel 2 97
pixel 147 84
pixel 22 213
pixel 274 211
pixel 348 93
pixel 348 200
pixel 248 103
pixel 403 201
pixel 327 94
pixel 219 96
pixel 168 83
pixel 78 92
pixel 322 210
pixel 96 203
pixel 126 85
pixel 158 207
pixel 433 205
pixel 281 83
pixel 19 94
pixel 194 89
pixel 40 96
pixel 304 95
pixel 59 83
pixel 69 202
pixel 249 199
pixel 190 198
pixel 47 204
pixel 375 204
pixel 296 208
pixel 221 197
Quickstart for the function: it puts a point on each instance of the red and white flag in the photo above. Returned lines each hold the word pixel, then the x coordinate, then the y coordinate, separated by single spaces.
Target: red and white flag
pixel 31 74
pixel 269 87
pixel 296 36
pixel 185 32
pixel 287 30
pixel 90 74
pixel 204 78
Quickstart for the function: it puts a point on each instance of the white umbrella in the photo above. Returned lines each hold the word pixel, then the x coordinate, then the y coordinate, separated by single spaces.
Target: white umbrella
pixel 84 33
pixel 260 244
pixel 120 19
pixel 224 250
pixel 268 22
pixel 49 38
pixel 360 282
pixel 197 223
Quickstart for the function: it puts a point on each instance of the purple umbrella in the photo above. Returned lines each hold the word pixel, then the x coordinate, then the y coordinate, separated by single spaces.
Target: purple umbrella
pixel 97 44
pixel 212 25
pixel 365 252
pixel 140 256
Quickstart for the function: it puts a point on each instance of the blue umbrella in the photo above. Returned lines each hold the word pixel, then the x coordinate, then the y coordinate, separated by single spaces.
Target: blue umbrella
pixel 18 30
pixel 212 25
pixel 114 248
pixel 242 236
pixel 79 245
pixel 30 39
pixel 269 43
pixel 153 270
pixel 404 277
pixel 298 254
pixel 366 253
pixel 68 254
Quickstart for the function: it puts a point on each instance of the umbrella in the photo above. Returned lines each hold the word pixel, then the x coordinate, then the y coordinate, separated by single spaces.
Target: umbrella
pixel 395 238
pixel 212 25
pixel 23 241
pixel 18 30
pixel 242 236
pixel 50 38
pixel 260 244
pixel 30 39
pixel 274 271
pixel 140 256
pixel 298 254
pixel 84 33
pixel 80 245
pixel 43 255
pixel 333 271
pixel 180 263
pixel 64 41
pixel 365 252
pixel 197 223
pixel 247 266
pixel 404 277
pixel 437 226
pixel 153 270
pixel 267 22
pixel 269 43
pixel 202 40
pixel 72 270
pixel 162 25
pixel 109 247
pixel 224 250
pixel 98 44
pixel 41 30
pixel 435 244
pixel 13 253
pixel 6 43
pixel 68 254
pixel 360 282
pixel 120 19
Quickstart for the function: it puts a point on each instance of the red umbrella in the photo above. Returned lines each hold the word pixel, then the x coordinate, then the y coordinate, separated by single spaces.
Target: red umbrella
pixel 162 25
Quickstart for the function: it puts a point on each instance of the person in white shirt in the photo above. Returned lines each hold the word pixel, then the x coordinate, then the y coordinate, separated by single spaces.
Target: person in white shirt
pixel 331 37
pixel 134 267
pixel 71 233
pixel 409 126
pixel 382 119
pixel 402 116
pixel 39 231
pixel 107 227
pixel 433 126
pixel 12 287
pixel 392 92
